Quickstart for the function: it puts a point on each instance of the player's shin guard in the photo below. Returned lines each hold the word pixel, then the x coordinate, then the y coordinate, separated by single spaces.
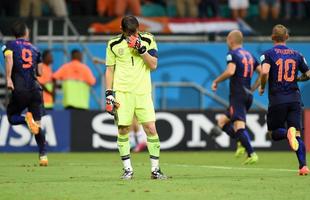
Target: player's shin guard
pixel 124 150
pixel 41 142
pixel 301 153
pixel 16 119
pixel 229 129
pixel 279 134
pixel 153 146
pixel 244 138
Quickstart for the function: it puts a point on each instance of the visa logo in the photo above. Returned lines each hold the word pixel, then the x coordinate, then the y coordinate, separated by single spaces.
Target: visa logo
pixel 22 136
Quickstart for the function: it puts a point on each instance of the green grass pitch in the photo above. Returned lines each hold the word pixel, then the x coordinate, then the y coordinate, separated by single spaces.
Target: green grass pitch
pixel 195 175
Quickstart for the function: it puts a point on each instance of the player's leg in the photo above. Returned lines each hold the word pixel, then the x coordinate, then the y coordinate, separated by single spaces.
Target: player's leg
pixel 140 138
pixel 275 10
pixel 36 111
pixel 294 120
pixel 124 116
pixel 276 121
pixel 14 110
pixel 264 9
pixel 124 151
pixel 146 116
pixel 244 138
pixel 238 109
pixel 224 124
pixel 276 117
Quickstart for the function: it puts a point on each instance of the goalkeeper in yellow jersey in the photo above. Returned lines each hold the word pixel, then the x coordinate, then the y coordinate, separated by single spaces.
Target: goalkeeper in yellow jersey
pixel 130 57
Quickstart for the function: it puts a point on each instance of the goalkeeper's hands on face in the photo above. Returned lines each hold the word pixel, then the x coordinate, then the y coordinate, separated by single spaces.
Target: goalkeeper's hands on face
pixel 134 41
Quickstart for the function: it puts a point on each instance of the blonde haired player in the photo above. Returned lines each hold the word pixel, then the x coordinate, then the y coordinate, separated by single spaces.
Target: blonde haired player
pixel 130 57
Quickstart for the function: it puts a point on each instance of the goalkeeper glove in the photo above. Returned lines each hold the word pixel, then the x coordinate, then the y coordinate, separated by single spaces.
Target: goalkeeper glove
pixel 134 41
pixel 111 105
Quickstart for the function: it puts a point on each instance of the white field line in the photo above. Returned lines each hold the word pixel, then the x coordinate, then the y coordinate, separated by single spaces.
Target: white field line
pixel 229 168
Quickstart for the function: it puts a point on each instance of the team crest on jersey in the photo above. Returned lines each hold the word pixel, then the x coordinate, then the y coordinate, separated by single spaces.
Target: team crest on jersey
pixel 121 51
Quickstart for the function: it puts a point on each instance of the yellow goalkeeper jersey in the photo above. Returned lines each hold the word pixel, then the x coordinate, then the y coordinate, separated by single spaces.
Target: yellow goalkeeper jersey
pixel 131 74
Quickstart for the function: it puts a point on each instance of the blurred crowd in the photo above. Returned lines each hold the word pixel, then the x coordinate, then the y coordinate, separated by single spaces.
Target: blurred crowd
pixel 265 9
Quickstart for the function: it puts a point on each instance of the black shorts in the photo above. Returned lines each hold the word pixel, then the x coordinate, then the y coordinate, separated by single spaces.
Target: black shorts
pixel 32 100
pixel 284 116
pixel 238 107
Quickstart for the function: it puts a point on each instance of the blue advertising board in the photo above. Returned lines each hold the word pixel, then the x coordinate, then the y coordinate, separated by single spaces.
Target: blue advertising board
pixel 56 126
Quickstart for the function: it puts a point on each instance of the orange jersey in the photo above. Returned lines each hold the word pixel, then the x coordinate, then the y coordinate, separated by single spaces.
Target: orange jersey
pixel 46 80
pixel 75 70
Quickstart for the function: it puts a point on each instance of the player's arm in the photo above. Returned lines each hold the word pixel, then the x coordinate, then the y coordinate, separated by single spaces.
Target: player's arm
pixel 149 55
pixel 257 81
pixel 150 60
pixel 230 71
pixel 264 77
pixel 304 77
pixel 303 67
pixel 109 76
pixel 8 54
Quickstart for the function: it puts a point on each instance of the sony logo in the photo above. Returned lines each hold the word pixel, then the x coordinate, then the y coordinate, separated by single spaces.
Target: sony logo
pixel 200 124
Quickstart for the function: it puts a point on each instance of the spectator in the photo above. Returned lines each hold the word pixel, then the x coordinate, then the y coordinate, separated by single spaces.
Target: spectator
pixel 153 8
pixel 77 79
pixel 30 8
pixel 46 80
pixel 206 5
pixel 58 7
pixel 187 8
pixel 267 6
pixel 294 5
pixel 106 8
pixel 238 8
pixel 124 6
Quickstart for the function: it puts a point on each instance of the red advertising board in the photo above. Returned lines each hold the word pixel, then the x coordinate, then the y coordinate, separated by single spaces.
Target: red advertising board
pixel 307 128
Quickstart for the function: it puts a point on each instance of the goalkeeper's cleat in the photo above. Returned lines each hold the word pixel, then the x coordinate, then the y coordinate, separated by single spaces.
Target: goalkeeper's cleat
pixel 240 150
pixel 304 171
pixel 127 175
pixel 291 136
pixel 43 161
pixel 32 125
pixel 252 159
pixel 157 174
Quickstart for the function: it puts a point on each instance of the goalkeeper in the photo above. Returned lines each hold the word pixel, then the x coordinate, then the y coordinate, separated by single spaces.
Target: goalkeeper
pixel 130 57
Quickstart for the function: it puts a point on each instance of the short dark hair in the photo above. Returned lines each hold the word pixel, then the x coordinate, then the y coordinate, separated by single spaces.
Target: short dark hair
pixel 75 54
pixel 19 29
pixel 130 24
pixel 45 53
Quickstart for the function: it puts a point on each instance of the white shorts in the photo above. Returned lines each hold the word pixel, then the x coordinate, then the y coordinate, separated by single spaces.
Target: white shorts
pixel 238 4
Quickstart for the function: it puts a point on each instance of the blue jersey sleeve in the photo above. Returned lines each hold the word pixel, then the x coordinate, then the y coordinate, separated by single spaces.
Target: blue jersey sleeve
pixel 303 66
pixel 230 58
pixel 256 63
pixel 39 58
pixel 265 58
pixel 7 47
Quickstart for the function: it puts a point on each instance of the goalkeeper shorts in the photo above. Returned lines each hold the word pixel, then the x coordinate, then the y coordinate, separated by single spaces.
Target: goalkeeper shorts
pixel 140 105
